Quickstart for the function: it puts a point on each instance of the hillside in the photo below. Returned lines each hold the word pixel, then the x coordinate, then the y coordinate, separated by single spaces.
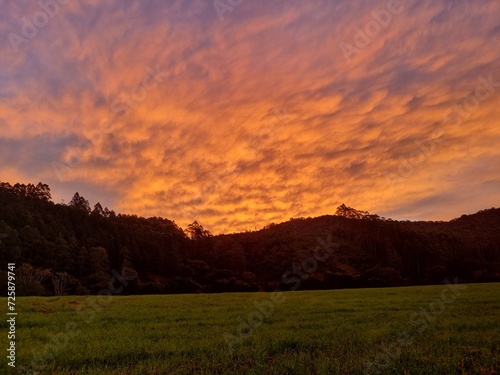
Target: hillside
pixel 71 249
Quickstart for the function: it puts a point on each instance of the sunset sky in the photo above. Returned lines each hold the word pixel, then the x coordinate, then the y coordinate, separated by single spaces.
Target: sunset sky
pixel 242 115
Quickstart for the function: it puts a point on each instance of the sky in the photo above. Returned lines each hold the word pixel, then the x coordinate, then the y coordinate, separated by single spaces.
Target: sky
pixel 239 113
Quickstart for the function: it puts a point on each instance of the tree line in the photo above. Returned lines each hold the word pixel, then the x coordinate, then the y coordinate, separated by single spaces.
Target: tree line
pixel 73 248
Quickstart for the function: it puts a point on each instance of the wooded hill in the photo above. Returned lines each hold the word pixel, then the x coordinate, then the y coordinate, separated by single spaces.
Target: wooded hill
pixel 73 249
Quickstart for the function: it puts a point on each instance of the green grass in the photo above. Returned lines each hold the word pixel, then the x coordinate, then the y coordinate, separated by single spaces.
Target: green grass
pixel 316 332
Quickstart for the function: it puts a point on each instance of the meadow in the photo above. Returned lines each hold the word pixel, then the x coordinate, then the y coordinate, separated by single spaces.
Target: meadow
pixel 442 329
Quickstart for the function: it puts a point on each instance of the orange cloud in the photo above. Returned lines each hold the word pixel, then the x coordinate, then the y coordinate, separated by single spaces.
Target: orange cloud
pixel 256 118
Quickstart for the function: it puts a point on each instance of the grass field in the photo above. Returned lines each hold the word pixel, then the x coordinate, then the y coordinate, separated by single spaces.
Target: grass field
pixel 413 330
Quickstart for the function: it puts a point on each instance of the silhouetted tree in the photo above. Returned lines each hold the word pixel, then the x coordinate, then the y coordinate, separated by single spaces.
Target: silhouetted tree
pixel 197 232
pixel 109 213
pixel 43 192
pixel 98 210
pixel 352 213
pixel 80 203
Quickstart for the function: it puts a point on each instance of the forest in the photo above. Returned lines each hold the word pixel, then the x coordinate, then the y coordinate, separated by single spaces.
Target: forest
pixel 74 249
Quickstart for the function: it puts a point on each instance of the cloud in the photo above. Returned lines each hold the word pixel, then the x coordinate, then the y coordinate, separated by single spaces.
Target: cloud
pixel 255 118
